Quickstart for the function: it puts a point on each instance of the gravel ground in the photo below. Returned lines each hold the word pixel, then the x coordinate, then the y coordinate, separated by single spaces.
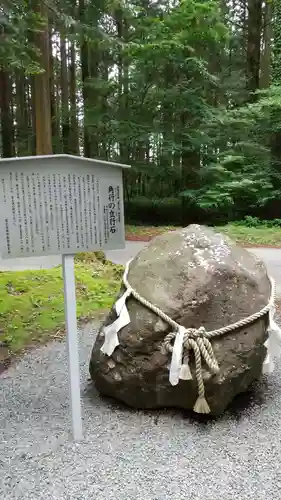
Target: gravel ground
pixel 127 454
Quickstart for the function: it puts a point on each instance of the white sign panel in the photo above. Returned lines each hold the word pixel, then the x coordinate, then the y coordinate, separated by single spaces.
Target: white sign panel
pixel 60 205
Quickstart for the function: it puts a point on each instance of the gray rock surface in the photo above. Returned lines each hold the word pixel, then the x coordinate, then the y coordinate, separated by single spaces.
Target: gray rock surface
pixel 199 278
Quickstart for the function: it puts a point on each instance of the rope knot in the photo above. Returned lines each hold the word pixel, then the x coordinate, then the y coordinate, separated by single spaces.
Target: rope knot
pixel 187 341
pixel 194 333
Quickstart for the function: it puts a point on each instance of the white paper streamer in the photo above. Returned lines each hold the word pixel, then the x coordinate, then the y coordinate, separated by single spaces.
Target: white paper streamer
pixel 273 343
pixel 268 364
pixel 111 340
pixel 176 361
pixel 185 373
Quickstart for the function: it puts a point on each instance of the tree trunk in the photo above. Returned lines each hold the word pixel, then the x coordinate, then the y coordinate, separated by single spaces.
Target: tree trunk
pixel 55 123
pixel 104 146
pixel 123 83
pixel 7 128
pixel 266 53
pixel 74 132
pixel 64 94
pixel 276 78
pixel 276 66
pixel 22 128
pixel 42 88
pixel 84 54
pixel 31 115
pixel 93 100
pixel 254 45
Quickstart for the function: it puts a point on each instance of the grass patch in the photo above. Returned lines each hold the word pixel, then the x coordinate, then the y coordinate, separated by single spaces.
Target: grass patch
pixel 242 234
pixel 32 302
pixel 263 235
pixel 146 232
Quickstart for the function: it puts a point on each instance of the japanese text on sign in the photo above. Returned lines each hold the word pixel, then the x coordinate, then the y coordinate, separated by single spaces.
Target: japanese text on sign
pixel 47 212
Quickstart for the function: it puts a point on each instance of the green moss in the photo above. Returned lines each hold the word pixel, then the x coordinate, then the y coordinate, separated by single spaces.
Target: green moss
pixel 90 257
pixel 32 302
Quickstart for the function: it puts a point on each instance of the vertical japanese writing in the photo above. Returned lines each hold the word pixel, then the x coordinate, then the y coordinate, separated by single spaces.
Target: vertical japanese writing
pixel 46 211
pixel 50 202
pixel 105 224
pixel 111 207
pixel 6 221
pixel 30 211
pixel 12 195
pixel 70 201
pixel 35 205
pixel 80 206
pixel 4 190
pixel 67 212
pixel 99 215
pixel 7 236
pixel 24 205
pixel 61 211
pixel 18 214
pixel 118 211
pixel 41 213
pixel 56 211
pixel 95 209
pixel 75 193
pixel 90 209
pixel 84 210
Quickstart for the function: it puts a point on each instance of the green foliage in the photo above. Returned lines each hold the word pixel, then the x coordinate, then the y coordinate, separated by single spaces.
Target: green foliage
pixel 163 87
pixel 153 211
pixel 18 22
pixel 250 221
pixel 242 173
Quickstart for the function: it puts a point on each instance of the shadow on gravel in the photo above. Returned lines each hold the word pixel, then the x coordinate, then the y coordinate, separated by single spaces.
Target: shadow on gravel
pixel 257 396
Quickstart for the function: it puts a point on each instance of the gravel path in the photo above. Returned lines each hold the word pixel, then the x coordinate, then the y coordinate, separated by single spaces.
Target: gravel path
pixel 30 263
pixel 129 455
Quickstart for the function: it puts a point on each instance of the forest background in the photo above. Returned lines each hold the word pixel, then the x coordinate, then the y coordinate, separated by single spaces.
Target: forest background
pixel 186 92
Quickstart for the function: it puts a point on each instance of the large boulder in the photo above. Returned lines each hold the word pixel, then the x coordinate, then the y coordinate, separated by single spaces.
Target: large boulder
pixel 199 278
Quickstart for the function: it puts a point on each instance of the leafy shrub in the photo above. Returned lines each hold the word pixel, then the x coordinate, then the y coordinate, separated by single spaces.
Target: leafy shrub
pixel 250 221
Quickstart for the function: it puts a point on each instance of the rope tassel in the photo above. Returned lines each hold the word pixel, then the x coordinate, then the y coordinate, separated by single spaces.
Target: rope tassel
pixel 201 406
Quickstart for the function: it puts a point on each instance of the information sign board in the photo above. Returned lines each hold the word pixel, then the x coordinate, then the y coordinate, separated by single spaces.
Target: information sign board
pixel 60 205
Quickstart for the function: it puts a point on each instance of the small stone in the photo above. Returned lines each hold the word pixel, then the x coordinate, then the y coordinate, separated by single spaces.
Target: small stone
pixel 111 364
pixel 161 326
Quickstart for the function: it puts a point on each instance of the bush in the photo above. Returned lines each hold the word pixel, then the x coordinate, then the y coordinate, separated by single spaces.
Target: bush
pixel 154 212
pixel 179 212
pixel 88 257
pixel 173 211
pixel 250 221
